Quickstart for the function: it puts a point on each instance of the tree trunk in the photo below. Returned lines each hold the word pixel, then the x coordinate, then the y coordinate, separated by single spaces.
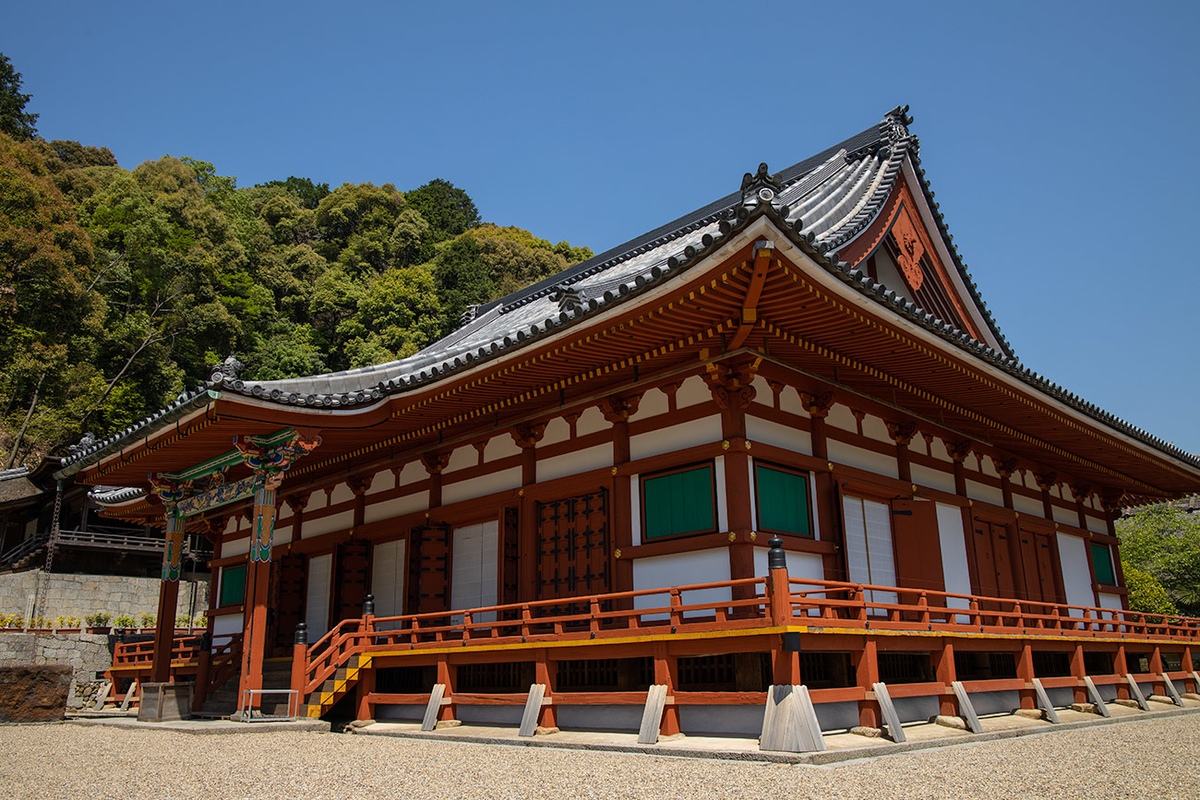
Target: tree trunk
pixel 12 457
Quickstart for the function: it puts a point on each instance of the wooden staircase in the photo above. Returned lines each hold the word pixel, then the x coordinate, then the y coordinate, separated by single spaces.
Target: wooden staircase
pixel 326 696
pixel 277 674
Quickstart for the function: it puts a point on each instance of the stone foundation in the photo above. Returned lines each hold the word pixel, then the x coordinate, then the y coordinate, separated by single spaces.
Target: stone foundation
pixel 32 693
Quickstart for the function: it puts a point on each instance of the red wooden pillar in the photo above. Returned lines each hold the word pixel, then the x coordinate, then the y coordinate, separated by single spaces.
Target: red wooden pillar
pixel 548 718
pixel 1156 667
pixel 946 675
pixel 168 595
pixel 1121 668
pixel 1189 667
pixel 1026 673
pixel 364 707
pixel 617 411
pixel 1079 671
pixel 664 673
pixel 733 391
pixel 526 437
pixel 867 674
pixel 445 676
pixel 258 581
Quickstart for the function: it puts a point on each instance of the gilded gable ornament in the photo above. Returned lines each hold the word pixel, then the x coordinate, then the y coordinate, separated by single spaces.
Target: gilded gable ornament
pixel 911 248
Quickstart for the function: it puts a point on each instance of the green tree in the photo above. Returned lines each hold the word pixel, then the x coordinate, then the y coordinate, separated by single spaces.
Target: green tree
pixel 309 194
pixel 1164 542
pixel 450 211
pixel 45 261
pixel 14 119
pixel 489 262
pixel 397 315
pixel 1146 593
pixel 355 225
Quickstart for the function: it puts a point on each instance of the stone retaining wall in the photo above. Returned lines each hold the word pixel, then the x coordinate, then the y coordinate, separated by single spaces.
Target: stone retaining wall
pixel 86 653
pixel 80 595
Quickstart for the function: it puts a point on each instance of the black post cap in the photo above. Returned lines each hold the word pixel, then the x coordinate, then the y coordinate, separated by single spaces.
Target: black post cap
pixel 776 558
pixel 302 633
pixel 369 606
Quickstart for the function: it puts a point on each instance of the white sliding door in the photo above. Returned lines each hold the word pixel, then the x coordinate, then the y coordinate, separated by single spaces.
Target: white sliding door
pixel 869 551
pixel 316 606
pixel 387 580
pixel 474 574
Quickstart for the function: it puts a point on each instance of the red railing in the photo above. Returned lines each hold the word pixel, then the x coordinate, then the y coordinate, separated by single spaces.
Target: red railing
pixel 185 647
pixel 812 603
pixel 851 605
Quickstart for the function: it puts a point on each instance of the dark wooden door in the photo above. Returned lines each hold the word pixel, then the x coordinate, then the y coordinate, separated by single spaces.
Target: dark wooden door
pixel 351 583
pixel 918 548
pixel 287 598
pixel 573 546
pixel 985 562
pixel 429 565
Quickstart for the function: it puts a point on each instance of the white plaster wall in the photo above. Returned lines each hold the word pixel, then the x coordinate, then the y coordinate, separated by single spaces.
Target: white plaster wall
pixel 1096 525
pixel 988 494
pixel 1077 579
pixel 692 391
pixel 574 463
pixel 227 624
pixel 381 482
pixel 988 467
pixel 722 495
pixel 953 543
pixel 789 401
pixel 762 391
pixel 411 472
pixel 557 430
pixel 237 547
pixel 675 437
pixel 1064 515
pixel 840 416
pixel 801 566
pixel 282 535
pixel 483 485
pixel 1027 505
pixel 843 453
pixel 501 446
pixel 231 524
pixel 399 506
pixel 1112 601
pixel 773 433
pixel 461 458
pixel 316 501
pixel 342 521
pixel 938 450
pixel 635 502
pixel 682 569
pixel 341 494
pixel 283 512
pixel 653 403
pixel 875 428
pixel 591 421
pixel 933 478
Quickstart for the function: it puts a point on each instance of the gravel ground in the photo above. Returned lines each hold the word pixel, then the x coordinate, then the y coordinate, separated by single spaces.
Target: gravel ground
pixel 1148 758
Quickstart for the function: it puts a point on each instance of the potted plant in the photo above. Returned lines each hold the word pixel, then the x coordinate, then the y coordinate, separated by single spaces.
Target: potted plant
pixel 98 622
pixel 148 621
pixel 126 621
pixel 67 624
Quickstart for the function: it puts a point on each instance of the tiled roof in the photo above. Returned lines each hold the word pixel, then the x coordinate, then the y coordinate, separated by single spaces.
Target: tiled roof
pixel 821 203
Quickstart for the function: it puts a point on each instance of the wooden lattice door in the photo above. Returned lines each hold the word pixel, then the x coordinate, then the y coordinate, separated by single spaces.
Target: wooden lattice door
pixel 429 569
pixel 287 598
pixel 351 587
pixel 573 546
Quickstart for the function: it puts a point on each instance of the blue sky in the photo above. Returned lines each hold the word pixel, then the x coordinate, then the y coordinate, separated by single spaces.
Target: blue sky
pixel 1060 137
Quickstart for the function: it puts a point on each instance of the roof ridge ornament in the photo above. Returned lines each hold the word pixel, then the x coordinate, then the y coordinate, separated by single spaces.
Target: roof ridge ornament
pixel 895 124
pixel 226 371
pixel 760 187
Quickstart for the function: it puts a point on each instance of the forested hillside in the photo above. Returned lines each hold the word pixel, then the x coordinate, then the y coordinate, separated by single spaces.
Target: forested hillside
pixel 120 287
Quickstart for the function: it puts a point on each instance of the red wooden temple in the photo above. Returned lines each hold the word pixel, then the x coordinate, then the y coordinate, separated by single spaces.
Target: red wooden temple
pixel 580 489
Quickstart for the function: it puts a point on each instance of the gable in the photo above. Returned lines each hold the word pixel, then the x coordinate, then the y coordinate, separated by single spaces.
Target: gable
pixel 899 251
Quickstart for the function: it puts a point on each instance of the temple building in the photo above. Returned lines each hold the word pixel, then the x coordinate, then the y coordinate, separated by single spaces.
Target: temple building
pixel 779 441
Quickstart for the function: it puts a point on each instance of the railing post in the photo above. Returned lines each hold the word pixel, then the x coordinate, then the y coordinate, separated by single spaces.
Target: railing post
pixel 923 604
pixel 676 602
pixel 526 616
pixel 300 661
pixel 202 663
pixel 466 625
pixel 594 612
pixel 777 584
